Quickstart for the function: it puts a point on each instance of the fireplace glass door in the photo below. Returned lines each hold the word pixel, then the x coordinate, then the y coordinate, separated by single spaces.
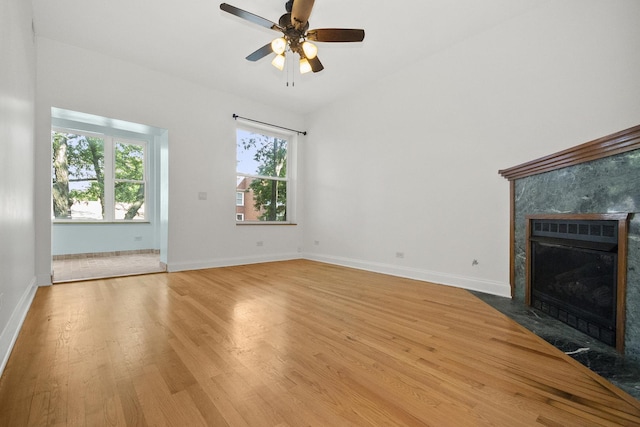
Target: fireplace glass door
pixel 574 279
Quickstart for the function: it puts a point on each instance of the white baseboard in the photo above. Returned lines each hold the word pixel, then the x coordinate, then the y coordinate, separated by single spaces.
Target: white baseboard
pixel 229 262
pixel 469 283
pixel 10 333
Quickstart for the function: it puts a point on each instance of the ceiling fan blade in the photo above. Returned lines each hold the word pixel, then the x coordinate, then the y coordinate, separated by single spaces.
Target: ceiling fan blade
pixel 250 17
pixel 260 53
pixel 300 13
pixel 335 35
pixel 316 65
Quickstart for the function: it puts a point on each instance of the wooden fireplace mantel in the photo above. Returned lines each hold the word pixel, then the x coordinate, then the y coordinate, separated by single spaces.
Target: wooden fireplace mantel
pixel 619 142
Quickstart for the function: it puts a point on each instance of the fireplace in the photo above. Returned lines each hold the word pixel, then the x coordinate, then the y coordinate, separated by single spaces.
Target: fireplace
pixel 576 271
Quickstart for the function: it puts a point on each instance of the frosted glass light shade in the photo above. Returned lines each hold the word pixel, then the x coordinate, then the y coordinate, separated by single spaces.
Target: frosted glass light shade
pixel 279 45
pixel 305 67
pixel 310 50
pixel 278 62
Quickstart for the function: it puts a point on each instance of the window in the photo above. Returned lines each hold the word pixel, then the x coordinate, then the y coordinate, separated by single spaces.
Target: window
pixel 263 175
pixel 239 217
pixel 129 180
pixel 97 177
pixel 239 198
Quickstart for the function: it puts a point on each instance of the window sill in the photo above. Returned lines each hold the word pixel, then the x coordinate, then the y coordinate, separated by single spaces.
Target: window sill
pixel 88 222
pixel 248 223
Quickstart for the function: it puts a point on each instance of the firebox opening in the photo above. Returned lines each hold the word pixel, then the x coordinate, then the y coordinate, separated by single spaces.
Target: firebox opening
pixel 574 274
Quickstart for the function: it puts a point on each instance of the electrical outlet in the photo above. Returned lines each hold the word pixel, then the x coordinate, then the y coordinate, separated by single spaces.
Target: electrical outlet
pixel 259 243
pixel 400 255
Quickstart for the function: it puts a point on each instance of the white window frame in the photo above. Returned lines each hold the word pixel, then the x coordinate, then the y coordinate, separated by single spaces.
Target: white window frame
pixel 239 198
pixel 290 179
pixel 109 177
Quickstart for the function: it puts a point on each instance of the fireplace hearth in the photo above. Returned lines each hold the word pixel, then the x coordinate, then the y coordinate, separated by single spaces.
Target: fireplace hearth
pixel 576 272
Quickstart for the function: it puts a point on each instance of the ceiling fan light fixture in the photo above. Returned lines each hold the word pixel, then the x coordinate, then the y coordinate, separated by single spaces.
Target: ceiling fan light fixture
pixel 305 67
pixel 279 45
pixel 278 62
pixel 310 50
pixel 294 26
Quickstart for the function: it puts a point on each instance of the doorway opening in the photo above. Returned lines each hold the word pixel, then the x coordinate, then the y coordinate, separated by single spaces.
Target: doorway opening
pixel 109 197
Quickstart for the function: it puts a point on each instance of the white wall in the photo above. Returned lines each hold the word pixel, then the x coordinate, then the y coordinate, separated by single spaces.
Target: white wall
pixel 90 238
pixel 17 92
pixel 201 132
pixel 411 164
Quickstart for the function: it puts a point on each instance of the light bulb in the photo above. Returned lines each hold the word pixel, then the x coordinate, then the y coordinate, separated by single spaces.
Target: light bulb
pixel 305 67
pixel 310 50
pixel 279 45
pixel 278 62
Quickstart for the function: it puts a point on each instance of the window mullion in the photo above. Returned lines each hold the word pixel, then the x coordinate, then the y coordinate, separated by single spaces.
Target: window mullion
pixel 109 171
pixel 145 177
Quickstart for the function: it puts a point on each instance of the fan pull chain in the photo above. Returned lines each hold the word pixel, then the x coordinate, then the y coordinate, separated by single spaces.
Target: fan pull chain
pixel 290 72
pixel 288 69
pixel 293 75
pixel 293 70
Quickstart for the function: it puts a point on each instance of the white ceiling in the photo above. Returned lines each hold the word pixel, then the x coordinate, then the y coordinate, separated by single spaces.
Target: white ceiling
pixel 195 40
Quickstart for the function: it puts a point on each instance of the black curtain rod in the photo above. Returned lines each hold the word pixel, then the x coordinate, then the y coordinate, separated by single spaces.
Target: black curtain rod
pixel 299 132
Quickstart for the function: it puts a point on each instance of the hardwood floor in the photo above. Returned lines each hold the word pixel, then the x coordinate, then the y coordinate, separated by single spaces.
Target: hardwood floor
pixel 289 344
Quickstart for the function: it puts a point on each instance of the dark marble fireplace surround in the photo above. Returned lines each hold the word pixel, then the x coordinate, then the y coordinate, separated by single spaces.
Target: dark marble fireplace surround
pixel 601 176
pixel 607 185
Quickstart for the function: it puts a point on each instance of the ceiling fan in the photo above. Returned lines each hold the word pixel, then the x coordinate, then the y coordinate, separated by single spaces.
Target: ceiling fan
pixel 297 37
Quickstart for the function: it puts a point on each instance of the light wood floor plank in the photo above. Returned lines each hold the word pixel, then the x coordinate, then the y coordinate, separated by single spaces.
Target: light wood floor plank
pixel 289 344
